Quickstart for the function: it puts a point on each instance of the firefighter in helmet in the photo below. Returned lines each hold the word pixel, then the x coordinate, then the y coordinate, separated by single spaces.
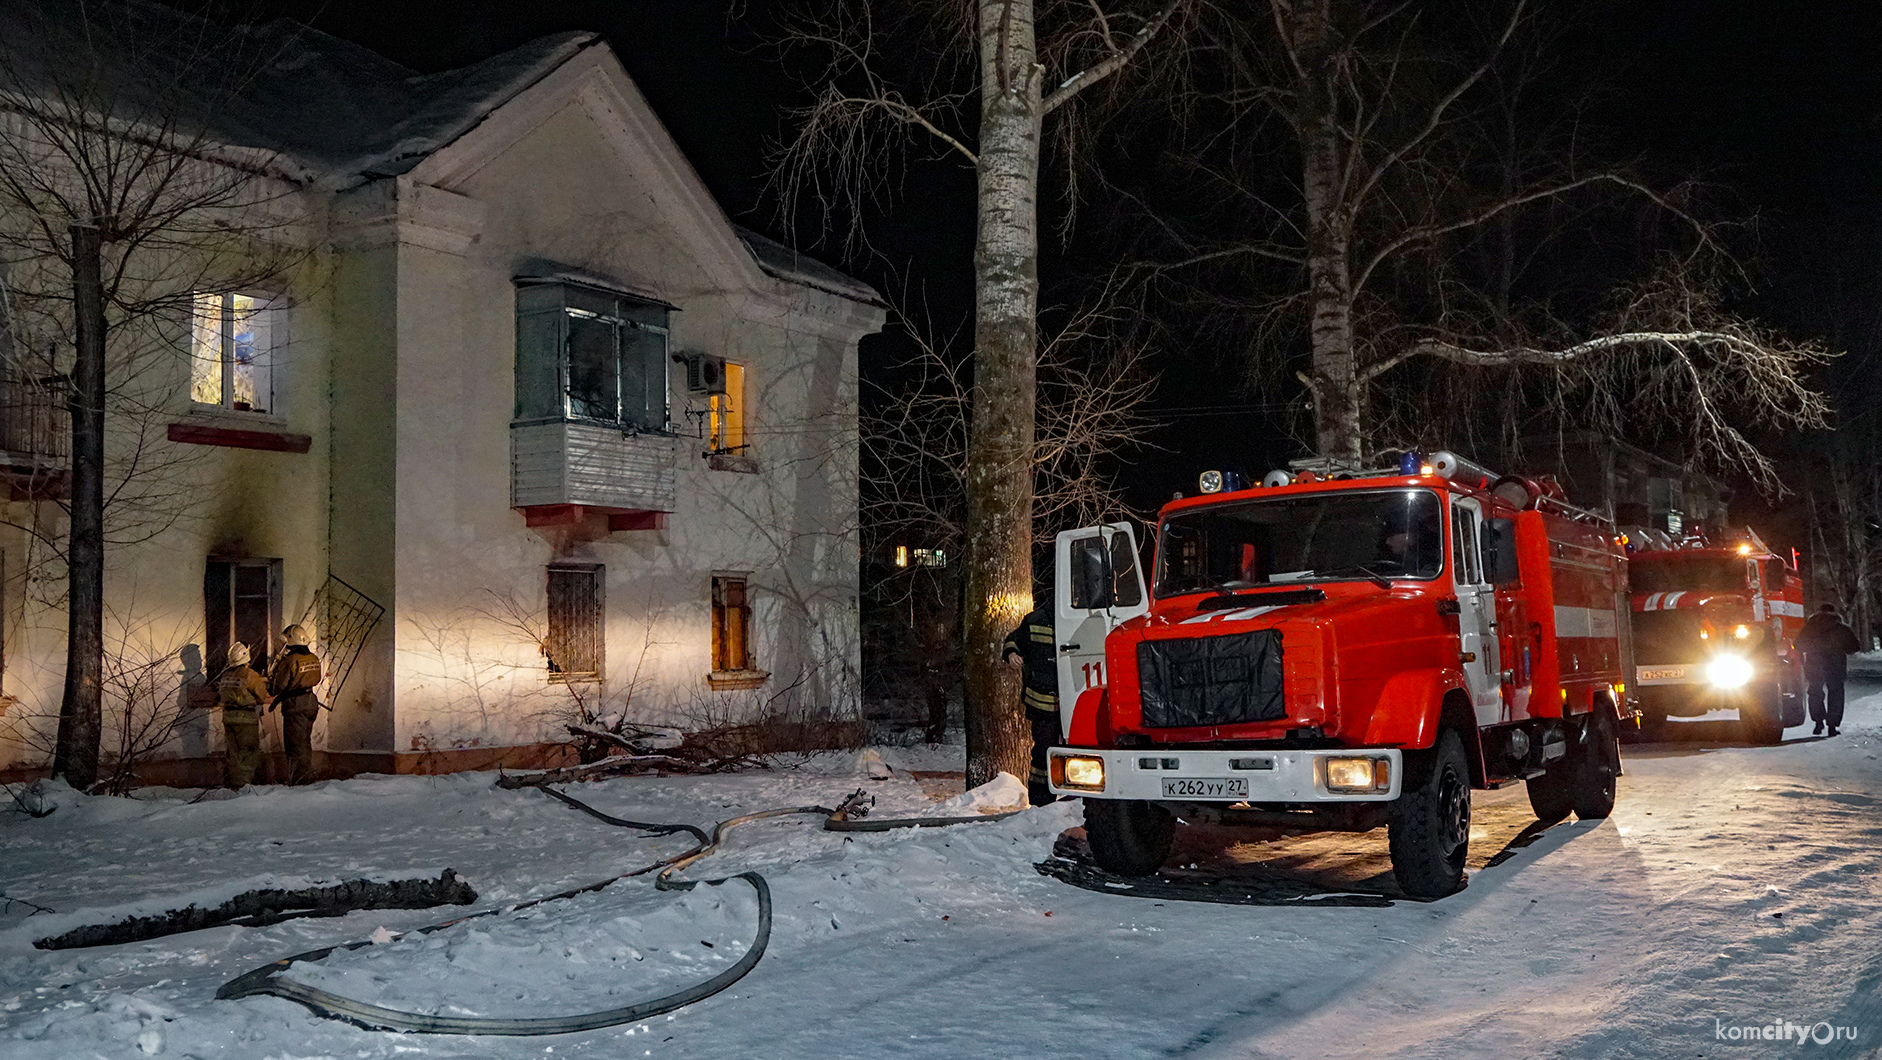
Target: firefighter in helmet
pixel 1034 643
pixel 240 692
pixel 295 676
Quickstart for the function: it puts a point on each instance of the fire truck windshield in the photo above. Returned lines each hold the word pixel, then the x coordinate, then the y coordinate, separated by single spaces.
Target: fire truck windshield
pixel 1342 536
pixel 1687 573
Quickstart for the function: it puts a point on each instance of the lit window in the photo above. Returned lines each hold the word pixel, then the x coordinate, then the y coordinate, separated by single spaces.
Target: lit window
pixel 930 557
pixel 726 413
pixel 574 646
pixel 731 624
pixel 232 351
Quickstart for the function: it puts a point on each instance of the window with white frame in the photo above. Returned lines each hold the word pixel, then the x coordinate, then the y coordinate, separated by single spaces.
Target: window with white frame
pixel 233 345
pixel 584 353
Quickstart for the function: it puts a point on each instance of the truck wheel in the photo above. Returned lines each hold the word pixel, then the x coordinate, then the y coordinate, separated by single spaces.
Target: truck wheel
pixel 1429 830
pixel 1551 795
pixel 1762 717
pixel 1128 837
pixel 1596 767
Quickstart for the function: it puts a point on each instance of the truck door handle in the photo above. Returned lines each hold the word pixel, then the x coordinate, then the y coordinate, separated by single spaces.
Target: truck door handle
pixel 1068 647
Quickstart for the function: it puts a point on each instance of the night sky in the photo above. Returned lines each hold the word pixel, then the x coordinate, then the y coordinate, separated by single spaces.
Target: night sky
pixel 1777 103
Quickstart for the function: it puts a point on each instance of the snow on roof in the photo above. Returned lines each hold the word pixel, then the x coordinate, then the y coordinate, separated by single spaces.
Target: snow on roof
pixel 793 266
pixel 328 111
pixel 331 111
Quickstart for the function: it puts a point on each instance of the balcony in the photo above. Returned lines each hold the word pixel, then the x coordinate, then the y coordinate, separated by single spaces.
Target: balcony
pixel 35 437
pixel 563 472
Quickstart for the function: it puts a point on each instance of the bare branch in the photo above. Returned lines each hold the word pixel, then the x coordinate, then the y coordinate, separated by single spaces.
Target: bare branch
pixel 1112 63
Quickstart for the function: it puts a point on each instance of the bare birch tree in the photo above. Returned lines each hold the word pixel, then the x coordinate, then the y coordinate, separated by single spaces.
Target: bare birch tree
pixel 1021 62
pixel 1414 159
pixel 118 205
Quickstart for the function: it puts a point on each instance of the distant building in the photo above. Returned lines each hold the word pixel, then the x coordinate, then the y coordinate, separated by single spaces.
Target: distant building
pixel 1627 483
pixel 534 425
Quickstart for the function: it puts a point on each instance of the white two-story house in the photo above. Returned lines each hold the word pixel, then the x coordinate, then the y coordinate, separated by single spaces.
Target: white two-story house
pixel 529 432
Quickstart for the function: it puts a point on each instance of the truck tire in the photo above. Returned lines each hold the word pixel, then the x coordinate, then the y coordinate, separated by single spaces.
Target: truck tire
pixel 1761 719
pixel 1551 795
pixel 1429 829
pixel 1128 837
pixel 1596 767
pixel 1584 781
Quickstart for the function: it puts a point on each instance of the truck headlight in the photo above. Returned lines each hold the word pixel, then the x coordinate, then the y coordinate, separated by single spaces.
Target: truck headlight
pixel 1729 671
pixel 1359 774
pixel 1210 482
pixel 1078 771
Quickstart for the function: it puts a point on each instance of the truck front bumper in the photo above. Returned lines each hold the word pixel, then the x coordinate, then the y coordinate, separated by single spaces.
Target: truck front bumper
pixel 1181 775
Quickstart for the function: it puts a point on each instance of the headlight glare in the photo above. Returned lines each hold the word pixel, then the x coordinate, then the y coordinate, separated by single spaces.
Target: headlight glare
pixel 1729 671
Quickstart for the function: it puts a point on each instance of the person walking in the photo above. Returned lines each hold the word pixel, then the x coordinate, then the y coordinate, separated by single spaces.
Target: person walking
pixel 240 692
pixel 295 676
pixel 1827 643
pixel 1034 643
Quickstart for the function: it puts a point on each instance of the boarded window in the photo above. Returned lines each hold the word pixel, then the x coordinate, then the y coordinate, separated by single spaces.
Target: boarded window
pixel 575 620
pixel 731 624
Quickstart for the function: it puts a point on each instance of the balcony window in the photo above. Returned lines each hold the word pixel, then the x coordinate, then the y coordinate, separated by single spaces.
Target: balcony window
pixel 233 339
pixel 583 353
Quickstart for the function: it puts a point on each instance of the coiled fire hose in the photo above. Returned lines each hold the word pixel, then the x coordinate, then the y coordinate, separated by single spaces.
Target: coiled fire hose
pixel 848 817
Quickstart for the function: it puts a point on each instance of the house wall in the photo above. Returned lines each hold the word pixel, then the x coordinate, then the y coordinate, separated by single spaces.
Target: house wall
pixel 401 372
pixel 470 588
pixel 186 502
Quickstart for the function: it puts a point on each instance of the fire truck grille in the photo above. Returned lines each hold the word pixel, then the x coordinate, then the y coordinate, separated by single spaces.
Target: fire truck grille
pixel 1667 637
pixel 1211 680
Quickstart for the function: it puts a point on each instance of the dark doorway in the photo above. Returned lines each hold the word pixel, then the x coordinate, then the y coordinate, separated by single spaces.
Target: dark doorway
pixel 241 603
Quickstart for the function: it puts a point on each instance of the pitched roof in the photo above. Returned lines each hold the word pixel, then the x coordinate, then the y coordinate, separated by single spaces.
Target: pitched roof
pixel 327 112
pixel 795 267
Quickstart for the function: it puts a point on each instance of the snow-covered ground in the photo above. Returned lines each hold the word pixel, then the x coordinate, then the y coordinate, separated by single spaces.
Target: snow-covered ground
pixel 1734 887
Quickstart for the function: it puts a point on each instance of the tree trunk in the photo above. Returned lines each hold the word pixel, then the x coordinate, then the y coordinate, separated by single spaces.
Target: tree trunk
pixel 75 756
pixel 998 574
pixel 1338 390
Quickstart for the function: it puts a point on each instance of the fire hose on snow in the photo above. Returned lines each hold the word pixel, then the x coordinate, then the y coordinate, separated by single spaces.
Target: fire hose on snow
pixel 851 816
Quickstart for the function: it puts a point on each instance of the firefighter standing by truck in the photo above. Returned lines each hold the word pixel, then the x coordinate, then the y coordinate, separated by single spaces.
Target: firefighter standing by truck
pixel 1033 642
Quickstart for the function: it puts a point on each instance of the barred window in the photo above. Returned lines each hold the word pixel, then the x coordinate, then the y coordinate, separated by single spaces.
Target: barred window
pixel 575 623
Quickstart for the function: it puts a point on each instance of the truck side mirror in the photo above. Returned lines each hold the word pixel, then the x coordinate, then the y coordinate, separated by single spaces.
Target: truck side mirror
pixel 1091 574
pixel 1499 551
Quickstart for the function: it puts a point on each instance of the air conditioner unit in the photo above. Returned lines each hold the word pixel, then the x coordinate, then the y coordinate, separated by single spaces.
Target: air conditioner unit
pixel 705 374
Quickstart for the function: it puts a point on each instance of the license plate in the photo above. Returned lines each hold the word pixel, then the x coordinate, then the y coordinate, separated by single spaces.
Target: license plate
pixel 1663 673
pixel 1205 787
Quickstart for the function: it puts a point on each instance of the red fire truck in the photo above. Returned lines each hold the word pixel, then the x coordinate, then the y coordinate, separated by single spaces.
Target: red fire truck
pixel 1339 652
pixel 1715 626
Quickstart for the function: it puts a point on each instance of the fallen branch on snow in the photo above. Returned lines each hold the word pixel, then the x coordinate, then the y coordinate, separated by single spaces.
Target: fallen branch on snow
pixel 260 908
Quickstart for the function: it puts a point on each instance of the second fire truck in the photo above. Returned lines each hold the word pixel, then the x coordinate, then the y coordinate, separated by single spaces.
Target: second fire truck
pixel 1715 627
pixel 1337 652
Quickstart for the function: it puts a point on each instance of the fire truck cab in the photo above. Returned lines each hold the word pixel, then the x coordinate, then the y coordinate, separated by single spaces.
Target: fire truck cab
pixel 1715 624
pixel 1339 652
